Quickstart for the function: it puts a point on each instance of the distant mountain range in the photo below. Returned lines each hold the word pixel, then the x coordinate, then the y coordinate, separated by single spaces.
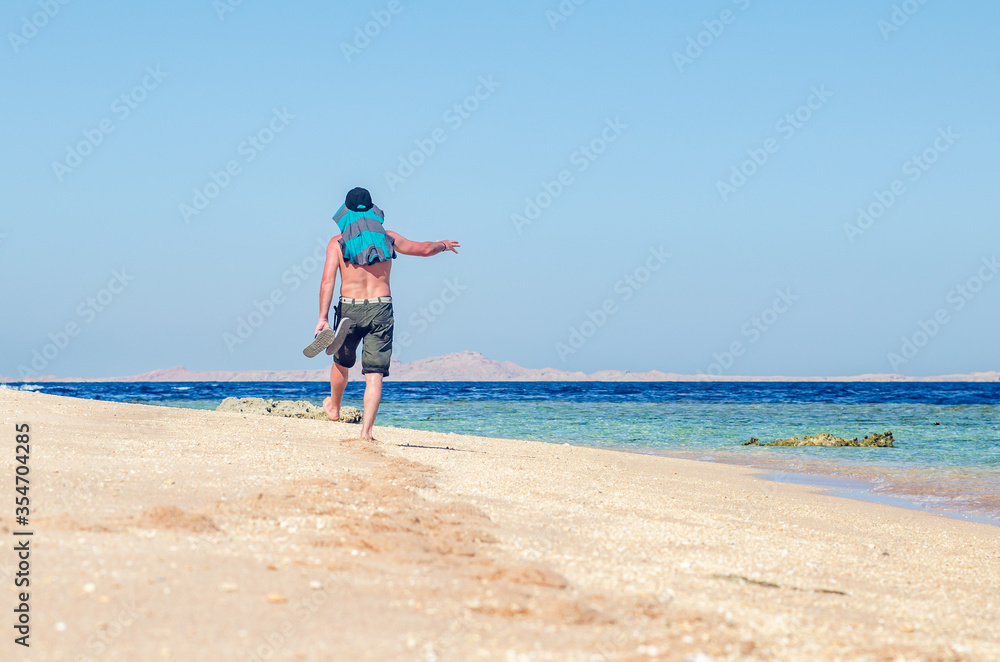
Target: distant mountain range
pixel 474 367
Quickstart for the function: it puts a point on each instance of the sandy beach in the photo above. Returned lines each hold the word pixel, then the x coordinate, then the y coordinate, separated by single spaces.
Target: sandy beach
pixel 171 534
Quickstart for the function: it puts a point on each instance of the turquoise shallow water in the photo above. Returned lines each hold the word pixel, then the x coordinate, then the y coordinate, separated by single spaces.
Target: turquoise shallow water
pixel 947 453
pixel 968 435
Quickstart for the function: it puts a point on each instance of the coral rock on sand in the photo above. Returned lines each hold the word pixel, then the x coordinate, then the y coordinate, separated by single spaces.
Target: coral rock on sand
pixel 286 408
pixel 883 440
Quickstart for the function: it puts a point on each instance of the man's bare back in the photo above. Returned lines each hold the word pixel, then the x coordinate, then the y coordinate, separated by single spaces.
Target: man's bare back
pixel 361 281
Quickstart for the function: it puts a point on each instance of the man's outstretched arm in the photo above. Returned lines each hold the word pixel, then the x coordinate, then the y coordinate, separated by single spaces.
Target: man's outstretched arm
pixel 422 248
pixel 328 284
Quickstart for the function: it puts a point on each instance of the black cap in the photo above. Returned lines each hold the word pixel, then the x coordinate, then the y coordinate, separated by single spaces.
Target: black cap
pixel 359 199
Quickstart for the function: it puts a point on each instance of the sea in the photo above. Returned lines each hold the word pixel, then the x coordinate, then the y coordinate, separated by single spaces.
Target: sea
pixel 946 457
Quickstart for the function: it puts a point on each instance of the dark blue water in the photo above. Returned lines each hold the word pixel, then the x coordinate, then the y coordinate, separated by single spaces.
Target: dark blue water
pixel 933 393
pixel 947 452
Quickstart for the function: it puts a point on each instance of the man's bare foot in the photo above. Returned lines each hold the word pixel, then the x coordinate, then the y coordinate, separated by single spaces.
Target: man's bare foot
pixel 331 412
pixel 368 438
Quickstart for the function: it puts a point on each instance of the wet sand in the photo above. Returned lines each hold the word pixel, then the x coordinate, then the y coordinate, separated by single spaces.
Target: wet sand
pixel 169 534
pixel 962 492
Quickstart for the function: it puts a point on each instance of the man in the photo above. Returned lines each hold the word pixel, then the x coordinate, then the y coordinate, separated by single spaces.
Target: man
pixel 363 254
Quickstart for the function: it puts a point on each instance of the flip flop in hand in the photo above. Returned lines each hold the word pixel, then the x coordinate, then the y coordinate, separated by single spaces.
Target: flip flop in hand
pixel 340 336
pixel 320 342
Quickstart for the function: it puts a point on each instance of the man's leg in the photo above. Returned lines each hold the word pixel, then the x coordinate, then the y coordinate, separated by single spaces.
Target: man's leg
pixel 375 358
pixel 343 358
pixel 373 397
pixel 338 382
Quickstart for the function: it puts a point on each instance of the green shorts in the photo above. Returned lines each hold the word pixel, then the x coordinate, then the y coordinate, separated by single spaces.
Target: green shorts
pixel 371 323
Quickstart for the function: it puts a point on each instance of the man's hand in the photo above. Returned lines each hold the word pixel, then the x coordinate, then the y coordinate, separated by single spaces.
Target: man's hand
pixel 323 324
pixel 450 245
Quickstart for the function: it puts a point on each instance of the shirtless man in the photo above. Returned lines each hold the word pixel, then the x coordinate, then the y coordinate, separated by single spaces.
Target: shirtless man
pixel 362 253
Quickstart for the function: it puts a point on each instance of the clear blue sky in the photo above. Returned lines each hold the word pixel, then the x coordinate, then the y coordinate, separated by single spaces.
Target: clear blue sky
pixel 609 71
